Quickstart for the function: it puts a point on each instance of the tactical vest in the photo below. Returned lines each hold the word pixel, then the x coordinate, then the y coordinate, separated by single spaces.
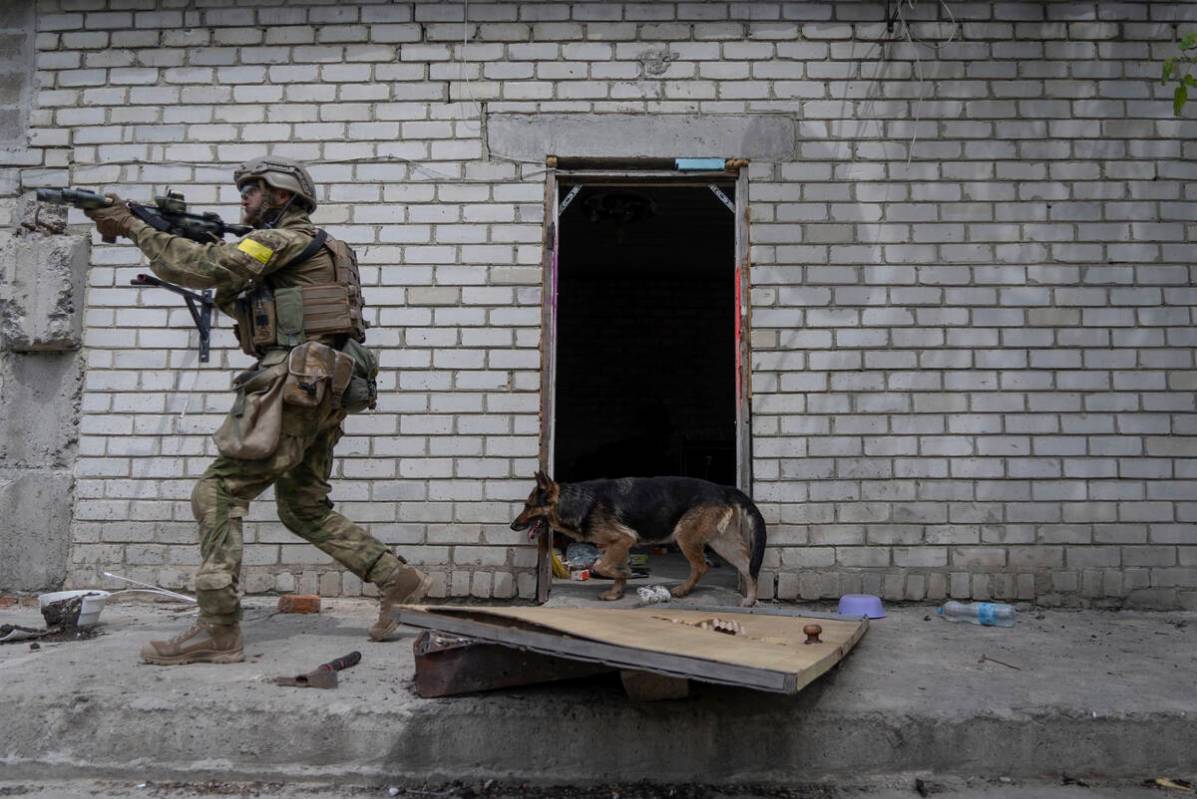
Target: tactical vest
pixel 269 317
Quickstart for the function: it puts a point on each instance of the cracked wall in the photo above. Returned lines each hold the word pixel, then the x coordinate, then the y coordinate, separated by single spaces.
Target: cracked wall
pixel 42 271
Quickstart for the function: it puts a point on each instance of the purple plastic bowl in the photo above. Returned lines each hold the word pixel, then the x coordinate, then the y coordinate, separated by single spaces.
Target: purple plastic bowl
pixel 857 605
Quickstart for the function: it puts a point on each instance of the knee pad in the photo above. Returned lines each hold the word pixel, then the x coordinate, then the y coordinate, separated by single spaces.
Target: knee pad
pixel 206 496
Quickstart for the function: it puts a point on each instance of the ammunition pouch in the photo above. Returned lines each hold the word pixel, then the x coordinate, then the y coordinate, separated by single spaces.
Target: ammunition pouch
pixel 289 309
pixel 315 370
pixel 257 321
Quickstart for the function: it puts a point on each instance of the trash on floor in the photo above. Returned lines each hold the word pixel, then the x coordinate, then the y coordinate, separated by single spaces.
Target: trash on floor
pixel 987 659
pixel 986 614
pixel 559 569
pixel 324 675
pixel 652 594
pixel 1171 784
pixel 147 588
pixel 725 626
pixel 69 616
pixel 14 632
pixel 580 555
pixel 74 608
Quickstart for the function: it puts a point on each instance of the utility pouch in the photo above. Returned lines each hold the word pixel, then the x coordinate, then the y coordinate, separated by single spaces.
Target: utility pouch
pixel 244 330
pixel 362 393
pixel 314 370
pixel 288 304
pixel 262 313
pixel 252 428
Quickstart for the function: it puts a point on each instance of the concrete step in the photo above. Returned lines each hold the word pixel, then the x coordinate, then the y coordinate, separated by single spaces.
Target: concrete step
pixel 1082 693
pixel 893 787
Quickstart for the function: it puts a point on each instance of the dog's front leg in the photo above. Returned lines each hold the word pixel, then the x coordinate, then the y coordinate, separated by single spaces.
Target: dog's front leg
pixel 615 591
pixel 614 564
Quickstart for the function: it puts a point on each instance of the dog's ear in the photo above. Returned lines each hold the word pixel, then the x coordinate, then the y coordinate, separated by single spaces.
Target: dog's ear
pixel 542 480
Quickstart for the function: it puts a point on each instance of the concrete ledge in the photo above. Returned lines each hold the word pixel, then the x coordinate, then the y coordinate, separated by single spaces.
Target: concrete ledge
pixel 1095 694
pixel 531 137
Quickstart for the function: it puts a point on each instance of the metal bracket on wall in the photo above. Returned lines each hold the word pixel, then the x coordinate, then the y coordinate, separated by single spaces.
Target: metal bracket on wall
pixel 202 316
pixel 569 198
pixel 731 206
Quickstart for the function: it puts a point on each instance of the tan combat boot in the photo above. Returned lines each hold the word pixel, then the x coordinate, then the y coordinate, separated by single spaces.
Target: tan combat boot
pixel 406 586
pixel 203 643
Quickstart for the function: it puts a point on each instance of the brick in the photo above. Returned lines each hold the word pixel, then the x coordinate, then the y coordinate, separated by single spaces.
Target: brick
pixel 299 603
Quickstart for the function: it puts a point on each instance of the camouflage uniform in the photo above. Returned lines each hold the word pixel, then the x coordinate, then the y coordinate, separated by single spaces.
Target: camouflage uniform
pixel 301 466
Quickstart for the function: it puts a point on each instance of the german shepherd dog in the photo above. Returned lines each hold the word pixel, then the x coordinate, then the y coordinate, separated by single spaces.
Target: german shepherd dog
pixel 620 514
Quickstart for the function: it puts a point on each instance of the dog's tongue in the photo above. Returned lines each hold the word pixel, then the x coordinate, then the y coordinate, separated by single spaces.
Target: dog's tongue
pixel 534 530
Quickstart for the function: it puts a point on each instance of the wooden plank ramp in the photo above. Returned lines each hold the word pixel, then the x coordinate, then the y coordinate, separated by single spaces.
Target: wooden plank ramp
pixel 767 652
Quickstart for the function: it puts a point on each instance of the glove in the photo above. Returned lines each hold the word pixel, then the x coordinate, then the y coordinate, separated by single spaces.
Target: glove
pixel 112 220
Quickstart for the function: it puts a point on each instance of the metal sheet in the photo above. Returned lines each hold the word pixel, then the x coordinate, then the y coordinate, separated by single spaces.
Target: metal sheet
pixel 451 665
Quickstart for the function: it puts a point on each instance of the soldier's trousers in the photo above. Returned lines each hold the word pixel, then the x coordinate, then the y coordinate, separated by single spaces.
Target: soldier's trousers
pixel 299 471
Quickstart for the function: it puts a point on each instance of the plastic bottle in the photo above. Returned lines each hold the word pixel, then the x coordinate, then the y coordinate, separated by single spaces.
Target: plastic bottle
pixel 988 614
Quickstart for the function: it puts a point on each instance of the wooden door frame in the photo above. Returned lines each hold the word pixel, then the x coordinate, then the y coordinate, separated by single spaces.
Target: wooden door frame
pixel 735 173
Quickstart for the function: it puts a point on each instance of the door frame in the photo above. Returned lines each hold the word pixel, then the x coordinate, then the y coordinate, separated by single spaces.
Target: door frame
pixel 736 173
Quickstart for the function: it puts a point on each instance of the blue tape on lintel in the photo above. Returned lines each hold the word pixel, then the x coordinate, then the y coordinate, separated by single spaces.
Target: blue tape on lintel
pixel 701 164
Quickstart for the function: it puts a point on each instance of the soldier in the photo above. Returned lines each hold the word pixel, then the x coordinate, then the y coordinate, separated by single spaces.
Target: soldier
pixel 296 296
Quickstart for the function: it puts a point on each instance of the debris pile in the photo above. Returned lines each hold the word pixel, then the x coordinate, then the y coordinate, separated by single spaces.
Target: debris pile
pixel 62 624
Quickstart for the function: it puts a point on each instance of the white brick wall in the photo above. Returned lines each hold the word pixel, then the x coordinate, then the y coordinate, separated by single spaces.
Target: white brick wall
pixel 973 291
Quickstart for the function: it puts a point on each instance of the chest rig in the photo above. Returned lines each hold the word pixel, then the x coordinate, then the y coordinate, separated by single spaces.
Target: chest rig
pixel 269 316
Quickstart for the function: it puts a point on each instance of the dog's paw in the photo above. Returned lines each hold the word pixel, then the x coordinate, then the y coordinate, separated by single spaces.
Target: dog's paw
pixel 678 591
pixel 747 603
pixel 611 596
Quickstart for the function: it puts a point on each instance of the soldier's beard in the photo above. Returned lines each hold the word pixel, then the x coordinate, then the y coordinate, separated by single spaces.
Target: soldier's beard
pixel 264 215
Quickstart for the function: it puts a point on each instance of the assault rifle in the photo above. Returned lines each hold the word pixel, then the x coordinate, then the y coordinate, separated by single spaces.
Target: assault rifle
pixel 168 214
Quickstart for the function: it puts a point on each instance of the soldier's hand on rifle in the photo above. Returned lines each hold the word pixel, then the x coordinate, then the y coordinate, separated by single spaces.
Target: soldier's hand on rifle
pixel 112 220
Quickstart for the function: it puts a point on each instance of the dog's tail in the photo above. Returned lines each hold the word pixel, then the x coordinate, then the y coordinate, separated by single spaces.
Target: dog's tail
pixel 752 523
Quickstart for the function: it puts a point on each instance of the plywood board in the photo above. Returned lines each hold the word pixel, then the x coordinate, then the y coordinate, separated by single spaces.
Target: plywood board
pixel 768 653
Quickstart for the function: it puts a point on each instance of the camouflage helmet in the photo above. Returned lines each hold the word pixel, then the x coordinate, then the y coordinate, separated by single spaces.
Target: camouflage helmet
pixel 281 173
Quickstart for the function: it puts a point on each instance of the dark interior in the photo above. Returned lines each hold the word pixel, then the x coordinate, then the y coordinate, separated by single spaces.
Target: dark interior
pixel 645 337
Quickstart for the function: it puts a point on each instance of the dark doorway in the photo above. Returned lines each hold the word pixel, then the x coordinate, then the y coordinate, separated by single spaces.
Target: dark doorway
pixel 645 369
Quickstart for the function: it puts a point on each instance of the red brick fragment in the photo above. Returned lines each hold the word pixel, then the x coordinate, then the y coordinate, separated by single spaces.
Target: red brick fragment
pixel 299 603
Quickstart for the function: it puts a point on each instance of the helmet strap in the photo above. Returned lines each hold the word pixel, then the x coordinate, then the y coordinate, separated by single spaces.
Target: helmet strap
pixel 271 217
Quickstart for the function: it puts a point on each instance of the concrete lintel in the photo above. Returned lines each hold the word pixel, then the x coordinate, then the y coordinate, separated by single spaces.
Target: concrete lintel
pixel 531 137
